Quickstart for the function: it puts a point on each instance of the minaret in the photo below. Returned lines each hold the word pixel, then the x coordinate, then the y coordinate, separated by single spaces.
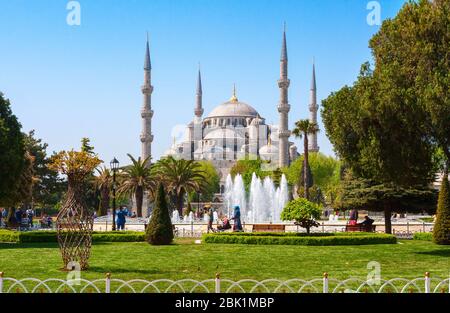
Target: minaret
pixel 283 106
pixel 197 129
pixel 313 108
pixel 198 103
pixel 146 111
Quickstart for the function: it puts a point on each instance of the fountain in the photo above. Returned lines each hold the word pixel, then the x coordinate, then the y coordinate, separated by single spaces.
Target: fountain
pixel 265 202
pixel 175 216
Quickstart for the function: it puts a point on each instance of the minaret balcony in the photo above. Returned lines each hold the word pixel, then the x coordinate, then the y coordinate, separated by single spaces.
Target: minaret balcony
pixel 284 133
pixel 146 113
pixel 284 83
pixel 146 138
pixel 284 108
pixel 198 112
pixel 147 89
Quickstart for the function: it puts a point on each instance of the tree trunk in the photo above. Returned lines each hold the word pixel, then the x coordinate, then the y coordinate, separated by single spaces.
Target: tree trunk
pixel 387 220
pixel 306 167
pixel 180 202
pixel 307 230
pixel 104 204
pixel 139 200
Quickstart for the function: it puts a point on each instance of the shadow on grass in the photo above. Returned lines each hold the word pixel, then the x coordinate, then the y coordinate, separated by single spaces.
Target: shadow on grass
pixel 116 270
pixel 442 253
pixel 38 245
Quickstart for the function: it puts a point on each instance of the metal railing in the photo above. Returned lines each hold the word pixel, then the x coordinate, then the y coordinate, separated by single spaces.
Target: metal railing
pixel 325 284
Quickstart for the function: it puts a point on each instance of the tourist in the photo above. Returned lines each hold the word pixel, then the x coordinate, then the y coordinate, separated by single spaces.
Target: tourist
pixel 367 221
pixel 30 215
pixel 210 220
pixel 237 226
pixel 121 219
pixel 353 219
pixel 133 215
pixel 49 222
pixel 225 224
pixel 1 216
pixel 18 216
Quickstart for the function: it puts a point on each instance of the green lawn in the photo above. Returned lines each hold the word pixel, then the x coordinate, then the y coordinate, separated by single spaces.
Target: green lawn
pixel 408 259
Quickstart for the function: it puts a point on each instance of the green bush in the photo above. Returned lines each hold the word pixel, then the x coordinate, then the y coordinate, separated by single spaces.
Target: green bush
pixel 305 213
pixel 293 234
pixel 331 240
pixel 159 231
pixel 441 229
pixel 50 236
pixel 423 236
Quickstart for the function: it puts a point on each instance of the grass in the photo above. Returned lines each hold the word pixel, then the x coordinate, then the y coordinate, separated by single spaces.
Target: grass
pixel 184 259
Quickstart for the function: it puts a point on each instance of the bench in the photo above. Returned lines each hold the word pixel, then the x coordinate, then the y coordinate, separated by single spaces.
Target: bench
pixel 360 228
pixel 268 228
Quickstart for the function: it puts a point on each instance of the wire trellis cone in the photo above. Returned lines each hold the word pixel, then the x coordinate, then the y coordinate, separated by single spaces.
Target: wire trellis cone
pixel 74 228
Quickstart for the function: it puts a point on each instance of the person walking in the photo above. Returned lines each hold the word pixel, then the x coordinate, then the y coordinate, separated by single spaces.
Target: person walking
pixel 121 219
pixel 237 219
pixel 353 219
pixel 210 220
pixel 30 215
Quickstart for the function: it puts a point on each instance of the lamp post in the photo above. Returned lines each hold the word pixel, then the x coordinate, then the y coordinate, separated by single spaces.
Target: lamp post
pixel 114 166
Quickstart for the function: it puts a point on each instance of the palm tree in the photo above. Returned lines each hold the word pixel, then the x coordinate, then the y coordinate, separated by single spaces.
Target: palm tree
pixel 303 128
pixel 103 183
pixel 181 177
pixel 136 179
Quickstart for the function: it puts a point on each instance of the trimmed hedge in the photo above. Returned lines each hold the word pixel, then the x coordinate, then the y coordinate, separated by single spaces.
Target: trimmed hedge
pixel 330 240
pixel 50 236
pixel 292 234
pixel 423 236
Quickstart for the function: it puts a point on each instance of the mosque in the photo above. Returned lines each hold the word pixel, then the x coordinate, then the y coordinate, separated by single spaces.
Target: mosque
pixel 233 130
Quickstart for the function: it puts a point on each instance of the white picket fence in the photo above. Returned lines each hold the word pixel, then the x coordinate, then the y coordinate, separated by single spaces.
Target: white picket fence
pixel 325 284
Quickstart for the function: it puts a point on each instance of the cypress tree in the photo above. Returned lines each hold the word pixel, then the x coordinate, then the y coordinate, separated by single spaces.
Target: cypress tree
pixel 159 231
pixel 441 230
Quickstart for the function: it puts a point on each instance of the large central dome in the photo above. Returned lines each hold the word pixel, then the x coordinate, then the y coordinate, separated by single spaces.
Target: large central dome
pixel 232 108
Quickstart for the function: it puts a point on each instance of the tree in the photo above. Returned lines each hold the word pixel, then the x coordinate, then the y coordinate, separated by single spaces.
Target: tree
pixel 382 127
pixel 159 231
pixel 303 128
pixel 211 185
pixel 48 187
pixel 21 193
pixel 413 62
pixel 92 194
pixel 358 193
pixel 136 179
pixel 303 212
pixel 180 177
pixel 103 183
pixel 86 146
pixel 246 168
pixel 441 230
pixel 12 152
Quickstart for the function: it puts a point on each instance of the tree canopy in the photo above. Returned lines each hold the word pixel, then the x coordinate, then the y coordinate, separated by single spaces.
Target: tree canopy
pixel 12 152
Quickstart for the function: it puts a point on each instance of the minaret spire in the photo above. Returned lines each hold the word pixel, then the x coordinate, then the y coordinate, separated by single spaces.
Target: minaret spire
pixel 199 96
pixel 313 108
pixel 147 63
pixel 283 106
pixel 146 110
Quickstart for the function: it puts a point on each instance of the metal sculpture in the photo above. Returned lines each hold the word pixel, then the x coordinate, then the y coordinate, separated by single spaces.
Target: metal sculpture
pixel 74 221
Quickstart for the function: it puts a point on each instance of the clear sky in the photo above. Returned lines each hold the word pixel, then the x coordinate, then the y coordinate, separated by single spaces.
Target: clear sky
pixel 68 82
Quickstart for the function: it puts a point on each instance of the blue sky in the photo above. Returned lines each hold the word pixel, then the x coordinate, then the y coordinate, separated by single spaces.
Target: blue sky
pixel 68 82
